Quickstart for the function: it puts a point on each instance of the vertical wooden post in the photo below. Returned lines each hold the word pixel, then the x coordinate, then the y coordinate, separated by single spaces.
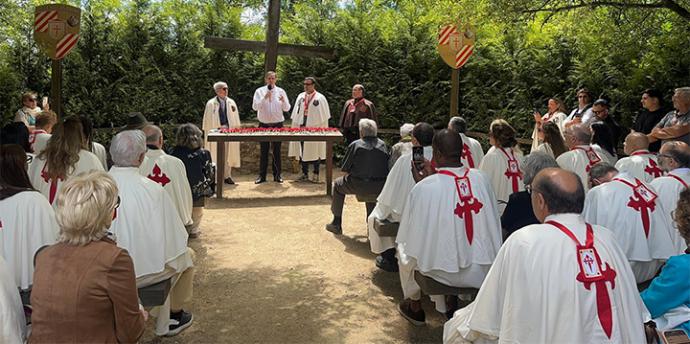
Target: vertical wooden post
pixel 56 87
pixel 272 33
pixel 454 92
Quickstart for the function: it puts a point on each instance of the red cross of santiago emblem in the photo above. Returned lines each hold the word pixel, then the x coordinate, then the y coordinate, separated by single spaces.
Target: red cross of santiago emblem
pixel 158 176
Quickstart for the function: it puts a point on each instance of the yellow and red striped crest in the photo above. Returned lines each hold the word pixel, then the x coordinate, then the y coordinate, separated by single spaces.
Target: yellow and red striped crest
pixel 56 29
pixel 456 45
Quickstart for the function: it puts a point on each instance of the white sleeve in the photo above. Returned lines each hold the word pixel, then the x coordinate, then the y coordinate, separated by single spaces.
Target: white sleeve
pixel 286 103
pixel 258 98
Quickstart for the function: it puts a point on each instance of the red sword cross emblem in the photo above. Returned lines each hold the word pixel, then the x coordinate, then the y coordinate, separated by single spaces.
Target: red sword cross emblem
pixel 158 176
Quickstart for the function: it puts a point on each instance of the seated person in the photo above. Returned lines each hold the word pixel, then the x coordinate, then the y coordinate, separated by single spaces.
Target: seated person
pixel 560 281
pixel 502 163
pixel 518 211
pixel 668 296
pixel 582 154
pixel 638 220
pixel 149 228
pixel 366 168
pixel 403 146
pixel 472 152
pixel 27 221
pixel 601 173
pixel 12 321
pixel 84 287
pixel 450 229
pixel 168 171
pixel 393 196
pixel 44 126
pixel 640 163
pixel 674 159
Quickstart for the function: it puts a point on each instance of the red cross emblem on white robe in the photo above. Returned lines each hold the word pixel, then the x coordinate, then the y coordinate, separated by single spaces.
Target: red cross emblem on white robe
pixel 592 157
pixel 467 154
pixel 467 204
pixel 591 272
pixel 158 176
pixel 643 200
pixel 513 172
pixel 652 169
pixel 52 181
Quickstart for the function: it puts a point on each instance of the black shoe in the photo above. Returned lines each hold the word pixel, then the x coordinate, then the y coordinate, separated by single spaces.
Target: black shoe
pixel 229 180
pixel 260 180
pixel 178 322
pixel 335 229
pixel 416 318
pixel 452 305
pixel 386 264
pixel 277 179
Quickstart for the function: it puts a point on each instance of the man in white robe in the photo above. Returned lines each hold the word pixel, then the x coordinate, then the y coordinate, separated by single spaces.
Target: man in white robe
pixel 674 158
pixel 169 172
pixel 222 112
pixel 311 110
pixel 472 152
pixel 27 223
pixel 450 229
pixel 502 166
pixel 393 197
pixel 12 321
pixel 41 134
pixel 545 288
pixel 640 162
pixel 630 208
pixel 582 155
pixel 148 227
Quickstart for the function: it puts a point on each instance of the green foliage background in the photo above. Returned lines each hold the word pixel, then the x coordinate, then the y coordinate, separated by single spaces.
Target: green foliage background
pixel 148 56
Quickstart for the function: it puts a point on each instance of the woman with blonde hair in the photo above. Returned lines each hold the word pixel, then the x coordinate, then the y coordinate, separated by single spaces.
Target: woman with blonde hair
pixel 553 143
pixel 103 306
pixel 64 156
pixel 502 162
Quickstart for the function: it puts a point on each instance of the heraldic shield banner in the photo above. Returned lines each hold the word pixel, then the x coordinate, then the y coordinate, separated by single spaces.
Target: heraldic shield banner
pixel 456 44
pixel 56 29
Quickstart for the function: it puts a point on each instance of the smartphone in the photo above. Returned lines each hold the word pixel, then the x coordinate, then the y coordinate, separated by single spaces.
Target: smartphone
pixel 418 156
pixel 44 103
pixel 675 337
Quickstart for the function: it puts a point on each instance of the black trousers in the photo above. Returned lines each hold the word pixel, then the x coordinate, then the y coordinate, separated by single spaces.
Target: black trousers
pixel 351 134
pixel 275 147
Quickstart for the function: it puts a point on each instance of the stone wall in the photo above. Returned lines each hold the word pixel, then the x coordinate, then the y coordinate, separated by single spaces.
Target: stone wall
pixel 250 153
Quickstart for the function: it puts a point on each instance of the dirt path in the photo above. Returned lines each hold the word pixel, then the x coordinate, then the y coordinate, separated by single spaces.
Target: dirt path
pixel 267 271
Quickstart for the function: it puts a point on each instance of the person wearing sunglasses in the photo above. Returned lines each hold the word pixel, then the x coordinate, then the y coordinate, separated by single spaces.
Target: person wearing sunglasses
pixel 222 112
pixel 27 114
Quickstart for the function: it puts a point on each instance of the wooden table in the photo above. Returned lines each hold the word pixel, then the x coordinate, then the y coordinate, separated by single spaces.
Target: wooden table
pixel 328 137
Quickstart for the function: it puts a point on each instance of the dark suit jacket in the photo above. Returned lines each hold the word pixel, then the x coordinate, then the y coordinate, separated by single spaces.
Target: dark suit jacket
pixel 85 294
pixel 518 212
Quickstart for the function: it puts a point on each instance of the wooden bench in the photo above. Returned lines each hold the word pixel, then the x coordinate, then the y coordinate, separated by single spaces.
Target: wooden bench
pixel 385 228
pixel 431 286
pixel 154 294
pixel 371 198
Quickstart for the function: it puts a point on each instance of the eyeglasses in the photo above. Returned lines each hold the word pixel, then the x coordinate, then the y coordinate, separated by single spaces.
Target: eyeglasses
pixel 224 88
pixel 308 84
pixel 665 156
pixel 117 204
pixel 581 97
pixel 528 188
pixel 601 112
pixel 29 159
pixel 32 99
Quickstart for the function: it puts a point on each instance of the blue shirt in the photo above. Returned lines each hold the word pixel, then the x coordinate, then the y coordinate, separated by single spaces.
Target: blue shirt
pixel 670 289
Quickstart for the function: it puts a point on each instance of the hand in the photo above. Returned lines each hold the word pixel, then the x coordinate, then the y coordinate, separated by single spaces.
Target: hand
pixel 144 313
pixel 268 95
pixel 577 120
pixel 281 98
pixel 426 171
pixel 537 116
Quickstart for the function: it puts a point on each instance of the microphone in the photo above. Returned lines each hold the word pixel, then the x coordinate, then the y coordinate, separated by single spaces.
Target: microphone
pixel 270 87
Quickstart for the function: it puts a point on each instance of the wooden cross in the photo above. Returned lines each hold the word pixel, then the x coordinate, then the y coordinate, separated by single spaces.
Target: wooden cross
pixel 270 47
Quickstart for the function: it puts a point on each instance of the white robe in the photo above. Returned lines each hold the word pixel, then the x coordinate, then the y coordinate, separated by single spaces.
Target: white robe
pixel 170 173
pixel 39 140
pixel 318 116
pixel 27 222
pixel 668 188
pixel 607 205
pixel 436 241
pixel 640 164
pixel 576 160
pixel 12 321
pixel 474 148
pixel 147 225
pixel 100 152
pixel 212 121
pixel 558 118
pixel 87 162
pixel 605 155
pixel 392 199
pixel 531 294
pixel 495 165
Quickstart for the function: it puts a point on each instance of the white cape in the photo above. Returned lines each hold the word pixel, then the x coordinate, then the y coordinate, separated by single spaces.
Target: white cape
pixel 101 154
pixel 436 237
pixel 12 321
pixel 474 148
pixel 318 116
pixel 87 162
pixel 558 118
pixel 669 189
pixel 170 173
pixel 577 161
pixel 392 199
pixel 531 294
pixel 211 121
pixel 27 222
pixel 147 225
pixel 607 205
pixel 495 165
pixel 641 165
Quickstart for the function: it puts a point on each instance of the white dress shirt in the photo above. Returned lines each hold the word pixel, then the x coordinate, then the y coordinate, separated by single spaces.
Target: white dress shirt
pixel 270 110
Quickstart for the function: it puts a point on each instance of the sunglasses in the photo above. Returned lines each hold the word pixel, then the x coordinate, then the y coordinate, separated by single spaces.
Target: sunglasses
pixel 117 204
pixel 308 84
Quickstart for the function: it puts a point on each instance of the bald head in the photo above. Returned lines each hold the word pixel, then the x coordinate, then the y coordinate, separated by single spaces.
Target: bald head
pixel 154 135
pixel 557 191
pixel 447 146
pixel 673 155
pixel 635 141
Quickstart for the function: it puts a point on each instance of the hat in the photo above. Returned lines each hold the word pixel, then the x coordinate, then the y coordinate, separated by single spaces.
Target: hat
pixel 135 120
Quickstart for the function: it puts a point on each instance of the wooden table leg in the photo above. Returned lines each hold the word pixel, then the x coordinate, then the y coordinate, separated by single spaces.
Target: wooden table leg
pixel 220 168
pixel 329 168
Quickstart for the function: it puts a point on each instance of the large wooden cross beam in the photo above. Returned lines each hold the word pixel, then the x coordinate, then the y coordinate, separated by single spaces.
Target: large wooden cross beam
pixel 270 47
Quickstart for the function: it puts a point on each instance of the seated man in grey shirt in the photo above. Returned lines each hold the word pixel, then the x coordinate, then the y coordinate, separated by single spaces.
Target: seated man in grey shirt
pixel 366 165
pixel 675 126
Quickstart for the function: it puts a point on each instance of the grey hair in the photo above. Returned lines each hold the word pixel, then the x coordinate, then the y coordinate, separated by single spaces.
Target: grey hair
pixel 458 124
pixel 678 151
pixel 218 85
pixel 367 128
pixel 582 133
pixel 534 163
pixel 189 135
pixel 406 129
pixel 359 87
pixel 127 147
pixel 153 133
pixel 684 91
pixel 601 169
